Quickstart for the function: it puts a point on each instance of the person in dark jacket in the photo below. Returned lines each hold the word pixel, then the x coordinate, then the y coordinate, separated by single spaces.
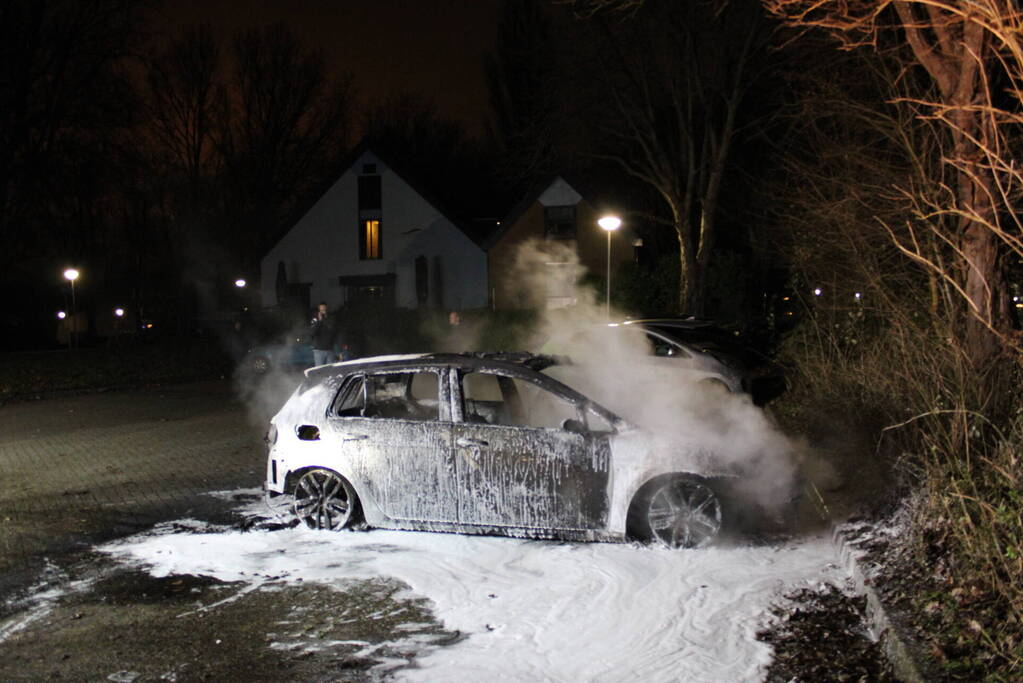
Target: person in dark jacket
pixel 323 335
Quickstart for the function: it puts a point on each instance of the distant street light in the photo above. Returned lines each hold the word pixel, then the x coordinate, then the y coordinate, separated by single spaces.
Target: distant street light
pixel 71 275
pixel 609 223
pixel 239 283
pixel 119 312
pixel 61 315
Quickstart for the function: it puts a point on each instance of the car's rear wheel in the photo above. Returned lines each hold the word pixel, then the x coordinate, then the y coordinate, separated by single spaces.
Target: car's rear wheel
pixel 679 512
pixel 324 500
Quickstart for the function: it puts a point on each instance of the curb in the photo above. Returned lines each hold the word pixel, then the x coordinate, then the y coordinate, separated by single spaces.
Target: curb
pixel 879 624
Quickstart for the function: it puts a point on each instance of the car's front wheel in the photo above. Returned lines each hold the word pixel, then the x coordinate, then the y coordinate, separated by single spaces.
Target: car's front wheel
pixel 324 500
pixel 679 512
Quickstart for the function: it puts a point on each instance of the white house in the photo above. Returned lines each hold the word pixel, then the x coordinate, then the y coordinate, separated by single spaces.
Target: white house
pixel 376 235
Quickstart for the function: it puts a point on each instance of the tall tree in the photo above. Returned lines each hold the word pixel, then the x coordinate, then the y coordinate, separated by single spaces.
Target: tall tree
pixel 439 151
pixel 185 100
pixel 972 50
pixel 676 78
pixel 290 121
pixel 522 75
pixel 62 101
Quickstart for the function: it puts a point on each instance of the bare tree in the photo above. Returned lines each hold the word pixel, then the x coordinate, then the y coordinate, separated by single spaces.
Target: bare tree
pixel 677 75
pixel 973 52
pixel 289 123
pixel 185 99
pixel 62 103
pixel 522 74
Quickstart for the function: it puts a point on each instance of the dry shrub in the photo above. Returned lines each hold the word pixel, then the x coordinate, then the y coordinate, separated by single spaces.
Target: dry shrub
pixel 954 436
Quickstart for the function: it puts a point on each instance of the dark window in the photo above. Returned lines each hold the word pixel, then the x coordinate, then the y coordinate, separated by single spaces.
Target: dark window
pixel 369 193
pixel 370 242
pixel 422 280
pixel 499 400
pixel 559 222
pixel 394 396
pixel 351 400
pixel 369 169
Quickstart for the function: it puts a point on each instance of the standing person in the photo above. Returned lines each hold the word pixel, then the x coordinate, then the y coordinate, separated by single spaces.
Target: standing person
pixel 323 335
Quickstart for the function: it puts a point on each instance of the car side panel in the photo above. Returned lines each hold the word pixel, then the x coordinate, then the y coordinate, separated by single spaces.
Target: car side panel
pixel 404 466
pixel 525 477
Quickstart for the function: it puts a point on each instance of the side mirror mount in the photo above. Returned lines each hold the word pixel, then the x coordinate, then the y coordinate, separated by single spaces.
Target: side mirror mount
pixel 574 426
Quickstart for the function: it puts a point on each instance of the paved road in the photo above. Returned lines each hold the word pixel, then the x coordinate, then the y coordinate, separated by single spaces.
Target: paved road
pixel 76 471
pixel 86 467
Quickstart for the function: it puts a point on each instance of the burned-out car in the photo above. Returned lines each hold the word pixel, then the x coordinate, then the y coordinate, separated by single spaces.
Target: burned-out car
pixel 484 443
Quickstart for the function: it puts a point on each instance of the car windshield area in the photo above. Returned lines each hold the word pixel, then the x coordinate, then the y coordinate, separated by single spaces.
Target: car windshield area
pixel 393 395
pixel 502 400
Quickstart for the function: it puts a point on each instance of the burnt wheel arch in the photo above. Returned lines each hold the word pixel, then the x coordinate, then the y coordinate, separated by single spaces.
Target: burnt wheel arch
pixel 638 526
pixel 347 491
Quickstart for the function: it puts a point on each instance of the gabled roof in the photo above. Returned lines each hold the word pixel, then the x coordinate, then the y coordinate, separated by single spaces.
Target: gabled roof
pixel 473 232
pixel 530 198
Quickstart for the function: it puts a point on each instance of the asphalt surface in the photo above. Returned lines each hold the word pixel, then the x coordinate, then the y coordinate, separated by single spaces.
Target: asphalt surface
pixel 76 469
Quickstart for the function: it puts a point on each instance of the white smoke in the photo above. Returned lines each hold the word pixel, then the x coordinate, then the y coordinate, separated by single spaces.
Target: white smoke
pixel 616 368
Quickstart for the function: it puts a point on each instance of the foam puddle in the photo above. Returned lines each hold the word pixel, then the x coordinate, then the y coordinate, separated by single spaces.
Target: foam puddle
pixel 532 610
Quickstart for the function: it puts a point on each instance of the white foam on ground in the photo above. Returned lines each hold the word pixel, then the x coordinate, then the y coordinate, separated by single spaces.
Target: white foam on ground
pixel 533 610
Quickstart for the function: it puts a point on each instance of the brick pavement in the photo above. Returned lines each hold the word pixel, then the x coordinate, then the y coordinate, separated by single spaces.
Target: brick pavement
pixel 73 468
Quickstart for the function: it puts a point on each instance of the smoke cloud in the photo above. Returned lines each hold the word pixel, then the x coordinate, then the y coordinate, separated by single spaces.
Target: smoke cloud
pixel 616 368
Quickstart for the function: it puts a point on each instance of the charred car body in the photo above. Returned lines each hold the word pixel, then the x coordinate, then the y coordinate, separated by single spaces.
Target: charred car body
pixel 484 443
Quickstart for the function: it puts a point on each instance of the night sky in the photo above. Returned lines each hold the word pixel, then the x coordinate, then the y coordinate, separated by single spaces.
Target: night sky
pixel 436 48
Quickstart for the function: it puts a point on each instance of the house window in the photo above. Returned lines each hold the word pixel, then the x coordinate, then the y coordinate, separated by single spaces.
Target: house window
pixel 370 246
pixel 559 222
pixel 369 193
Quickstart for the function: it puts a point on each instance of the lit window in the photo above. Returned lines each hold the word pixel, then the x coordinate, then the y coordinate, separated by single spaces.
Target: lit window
pixel 369 240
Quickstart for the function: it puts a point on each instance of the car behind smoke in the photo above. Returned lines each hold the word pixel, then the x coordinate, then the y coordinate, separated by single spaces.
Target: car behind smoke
pixel 486 443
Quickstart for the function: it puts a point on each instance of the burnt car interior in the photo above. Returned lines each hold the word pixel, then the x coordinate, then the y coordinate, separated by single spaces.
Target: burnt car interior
pixel 395 396
pixel 495 399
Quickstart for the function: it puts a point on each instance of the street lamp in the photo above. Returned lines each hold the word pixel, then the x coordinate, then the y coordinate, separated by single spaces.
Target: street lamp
pixel 71 275
pixel 609 223
pixel 239 283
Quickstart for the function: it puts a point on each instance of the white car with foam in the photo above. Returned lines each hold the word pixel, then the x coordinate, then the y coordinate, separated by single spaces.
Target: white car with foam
pixel 487 443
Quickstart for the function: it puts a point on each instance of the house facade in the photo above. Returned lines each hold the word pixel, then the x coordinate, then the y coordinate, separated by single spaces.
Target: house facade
pixel 375 235
pixel 563 223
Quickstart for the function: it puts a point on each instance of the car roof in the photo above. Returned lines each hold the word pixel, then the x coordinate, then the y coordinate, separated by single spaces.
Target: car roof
pixel 467 360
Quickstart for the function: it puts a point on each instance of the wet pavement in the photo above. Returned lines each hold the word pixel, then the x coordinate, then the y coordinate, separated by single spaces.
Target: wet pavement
pixel 78 469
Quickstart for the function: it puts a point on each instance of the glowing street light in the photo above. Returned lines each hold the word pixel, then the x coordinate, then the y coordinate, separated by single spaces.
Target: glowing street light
pixel 61 315
pixel 609 223
pixel 239 283
pixel 119 312
pixel 71 274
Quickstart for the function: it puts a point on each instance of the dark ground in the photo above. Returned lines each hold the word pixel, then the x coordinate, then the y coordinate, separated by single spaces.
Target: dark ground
pixel 821 636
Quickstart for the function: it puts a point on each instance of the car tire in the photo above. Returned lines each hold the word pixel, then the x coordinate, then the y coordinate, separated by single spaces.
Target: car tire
pixel 323 499
pixel 678 512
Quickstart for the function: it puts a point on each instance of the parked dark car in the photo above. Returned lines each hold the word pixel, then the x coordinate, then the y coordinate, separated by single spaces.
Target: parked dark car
pixel 758 375
pixel 295 353
pixel 485 443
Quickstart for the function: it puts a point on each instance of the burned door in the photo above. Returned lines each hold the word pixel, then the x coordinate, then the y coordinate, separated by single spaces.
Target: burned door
pixel 524 458
pixel 397 427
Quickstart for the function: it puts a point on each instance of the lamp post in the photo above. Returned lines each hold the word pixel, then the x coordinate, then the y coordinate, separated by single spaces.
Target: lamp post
pixel 71 275
pixel 609 223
